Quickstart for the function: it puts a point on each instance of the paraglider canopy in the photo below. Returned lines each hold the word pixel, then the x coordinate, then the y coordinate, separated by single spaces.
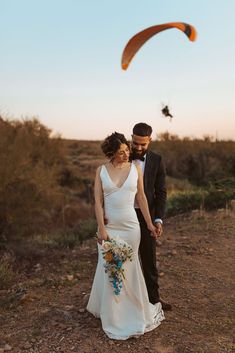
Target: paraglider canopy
pixel 136 42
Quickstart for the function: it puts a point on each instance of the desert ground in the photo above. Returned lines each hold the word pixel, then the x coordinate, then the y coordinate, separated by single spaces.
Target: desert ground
pixel 45 310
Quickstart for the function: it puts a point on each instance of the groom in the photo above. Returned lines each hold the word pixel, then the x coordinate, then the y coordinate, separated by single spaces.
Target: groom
pixel 155 191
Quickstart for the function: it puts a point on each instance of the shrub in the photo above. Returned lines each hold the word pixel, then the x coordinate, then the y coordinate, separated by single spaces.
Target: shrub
pixel 71 237
pixel 66 238
pixel 218 199
pixel 199 161
pixel 87 229
pixel 29 163
pixel 184 202
pixel 208 199
pixel 224 184
pixel 6 272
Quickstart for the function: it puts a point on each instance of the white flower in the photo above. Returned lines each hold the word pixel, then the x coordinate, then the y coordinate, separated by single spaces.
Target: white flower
pixel 106 245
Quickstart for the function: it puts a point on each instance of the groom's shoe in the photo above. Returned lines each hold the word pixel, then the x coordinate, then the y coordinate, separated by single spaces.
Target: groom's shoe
pixel 166 306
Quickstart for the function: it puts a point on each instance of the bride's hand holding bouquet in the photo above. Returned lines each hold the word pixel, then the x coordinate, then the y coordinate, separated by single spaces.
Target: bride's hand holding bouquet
pixel 102 235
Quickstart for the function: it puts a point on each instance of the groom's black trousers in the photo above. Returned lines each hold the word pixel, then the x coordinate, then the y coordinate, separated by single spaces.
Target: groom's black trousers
pixel 148 259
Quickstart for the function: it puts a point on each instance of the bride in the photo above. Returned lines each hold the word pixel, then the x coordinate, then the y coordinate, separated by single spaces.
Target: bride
pixel 117 183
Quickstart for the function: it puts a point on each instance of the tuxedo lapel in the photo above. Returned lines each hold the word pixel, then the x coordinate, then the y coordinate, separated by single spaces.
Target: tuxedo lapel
pixel 147 169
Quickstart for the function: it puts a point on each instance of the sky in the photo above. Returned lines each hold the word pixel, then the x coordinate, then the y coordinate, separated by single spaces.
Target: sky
pixel 61 63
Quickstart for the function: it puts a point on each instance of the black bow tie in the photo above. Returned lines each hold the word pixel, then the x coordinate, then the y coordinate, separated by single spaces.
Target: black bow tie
pixel 141 158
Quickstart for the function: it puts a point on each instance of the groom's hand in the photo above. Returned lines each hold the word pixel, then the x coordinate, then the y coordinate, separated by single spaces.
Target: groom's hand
pixel 159 229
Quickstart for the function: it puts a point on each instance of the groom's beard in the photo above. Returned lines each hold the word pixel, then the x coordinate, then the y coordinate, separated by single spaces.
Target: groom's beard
pixel 136 154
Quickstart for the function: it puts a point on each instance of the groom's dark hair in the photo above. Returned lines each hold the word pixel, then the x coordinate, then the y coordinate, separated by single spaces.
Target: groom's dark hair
pixel 112 143
pixel 142 129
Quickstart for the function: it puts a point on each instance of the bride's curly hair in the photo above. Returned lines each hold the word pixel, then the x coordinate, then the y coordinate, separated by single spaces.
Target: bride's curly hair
pixel 112 144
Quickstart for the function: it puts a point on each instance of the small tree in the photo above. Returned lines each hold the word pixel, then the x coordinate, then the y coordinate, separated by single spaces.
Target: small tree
pixel 29 163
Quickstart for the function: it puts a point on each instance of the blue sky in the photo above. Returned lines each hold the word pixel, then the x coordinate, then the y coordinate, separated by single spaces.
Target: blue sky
pixel 60 62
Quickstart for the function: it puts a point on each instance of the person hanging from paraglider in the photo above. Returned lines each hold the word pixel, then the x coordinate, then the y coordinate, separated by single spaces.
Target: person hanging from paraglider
pixel 140 38
pixel 166 112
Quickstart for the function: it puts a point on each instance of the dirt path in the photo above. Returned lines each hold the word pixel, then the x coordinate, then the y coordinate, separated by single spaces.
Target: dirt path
pixel 196 262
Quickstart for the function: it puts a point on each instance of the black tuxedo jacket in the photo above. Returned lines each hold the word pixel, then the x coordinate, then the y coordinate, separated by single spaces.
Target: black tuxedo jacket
pixel 155 184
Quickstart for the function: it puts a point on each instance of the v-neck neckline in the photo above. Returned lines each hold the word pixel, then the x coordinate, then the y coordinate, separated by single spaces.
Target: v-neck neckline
pixel 119 187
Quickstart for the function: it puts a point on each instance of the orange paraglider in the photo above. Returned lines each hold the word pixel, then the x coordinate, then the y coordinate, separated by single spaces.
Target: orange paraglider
pixel 136 42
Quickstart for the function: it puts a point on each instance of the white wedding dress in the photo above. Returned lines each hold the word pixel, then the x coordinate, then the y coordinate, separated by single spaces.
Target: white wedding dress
pixel 129 313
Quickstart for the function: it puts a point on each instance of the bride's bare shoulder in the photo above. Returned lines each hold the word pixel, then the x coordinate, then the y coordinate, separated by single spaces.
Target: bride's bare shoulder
pixel 98 170
pixel 106 165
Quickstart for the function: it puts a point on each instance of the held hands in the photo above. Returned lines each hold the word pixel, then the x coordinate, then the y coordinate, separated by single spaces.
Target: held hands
pixel 153 230
pixel 159 229
pixel 156 230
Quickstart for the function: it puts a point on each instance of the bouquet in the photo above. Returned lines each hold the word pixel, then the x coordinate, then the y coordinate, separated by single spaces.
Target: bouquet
pixel 115 253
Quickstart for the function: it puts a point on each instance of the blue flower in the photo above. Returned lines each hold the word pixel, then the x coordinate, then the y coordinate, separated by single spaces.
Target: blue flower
pixel 119 264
